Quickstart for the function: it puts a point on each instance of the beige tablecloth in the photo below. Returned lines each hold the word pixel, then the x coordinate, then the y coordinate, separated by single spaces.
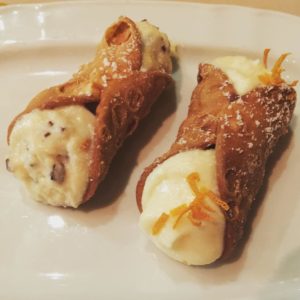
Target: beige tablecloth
pixel 289 6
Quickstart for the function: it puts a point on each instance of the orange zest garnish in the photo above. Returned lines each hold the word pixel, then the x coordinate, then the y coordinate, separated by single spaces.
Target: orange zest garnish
pixel 160 223
pixel 274 77
pixel 265 59
pixel 183 212
pixel 217 200
pixel 205 192
pixel 178 210
pixel 193 179
pixel 207 208
pixel 293 83
pixel 197 211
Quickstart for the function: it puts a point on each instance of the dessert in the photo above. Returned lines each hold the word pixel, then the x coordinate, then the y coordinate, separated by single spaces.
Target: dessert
pixel 195 199
pixel 62 144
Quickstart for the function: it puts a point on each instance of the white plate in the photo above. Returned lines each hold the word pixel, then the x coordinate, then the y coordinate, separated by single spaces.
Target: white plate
pixel 98 251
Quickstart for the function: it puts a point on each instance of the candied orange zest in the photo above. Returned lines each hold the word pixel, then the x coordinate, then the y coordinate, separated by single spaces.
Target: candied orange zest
pixel 195 222
pixel 183 212
pixel 193 180
pixel 277 66
pixel 274 78
pixel 265 78
pixel 208 208
pixel 160 223
pixel 198 213
pixel 265 59
pixel 217 200
pixel 293 83
pixel 178 210
pixel 197 210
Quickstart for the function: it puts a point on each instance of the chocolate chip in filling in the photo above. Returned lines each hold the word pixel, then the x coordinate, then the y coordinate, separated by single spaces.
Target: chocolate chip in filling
pixel 58 172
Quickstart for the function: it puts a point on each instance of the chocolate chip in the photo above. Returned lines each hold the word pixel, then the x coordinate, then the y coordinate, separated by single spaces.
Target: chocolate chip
pixel 47 134
pixel 50 123
pixel 163 48
pixel 58 172
pixel 62 129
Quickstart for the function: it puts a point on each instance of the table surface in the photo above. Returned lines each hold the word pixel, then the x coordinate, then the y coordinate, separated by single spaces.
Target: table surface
pixel 288 6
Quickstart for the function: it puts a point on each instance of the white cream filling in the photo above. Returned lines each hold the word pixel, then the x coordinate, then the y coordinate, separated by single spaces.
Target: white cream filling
pixel 156 48
pixel 166 188
pixel 49 152
pixel 242 72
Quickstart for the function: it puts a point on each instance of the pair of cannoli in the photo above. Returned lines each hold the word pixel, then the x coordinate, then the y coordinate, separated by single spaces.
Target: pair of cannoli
pixel 194 199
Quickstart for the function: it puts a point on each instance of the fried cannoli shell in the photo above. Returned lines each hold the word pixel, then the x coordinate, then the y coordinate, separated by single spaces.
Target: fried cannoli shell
pixel 248 132
pixel 124 103
pixel 87 84
pixel 121 103
pixel 198 130
pixel 243 130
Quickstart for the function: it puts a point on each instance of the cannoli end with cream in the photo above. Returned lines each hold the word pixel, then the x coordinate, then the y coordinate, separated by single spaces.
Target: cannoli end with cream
pixel 52 142
pixel 195 199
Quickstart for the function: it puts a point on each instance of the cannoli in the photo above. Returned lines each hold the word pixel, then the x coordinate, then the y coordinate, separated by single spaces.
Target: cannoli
pixel 62 144
pixel 195 199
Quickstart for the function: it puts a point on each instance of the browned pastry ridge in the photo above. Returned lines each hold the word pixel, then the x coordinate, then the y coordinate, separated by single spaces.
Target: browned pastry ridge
pixel 243 130
pixel 114 84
